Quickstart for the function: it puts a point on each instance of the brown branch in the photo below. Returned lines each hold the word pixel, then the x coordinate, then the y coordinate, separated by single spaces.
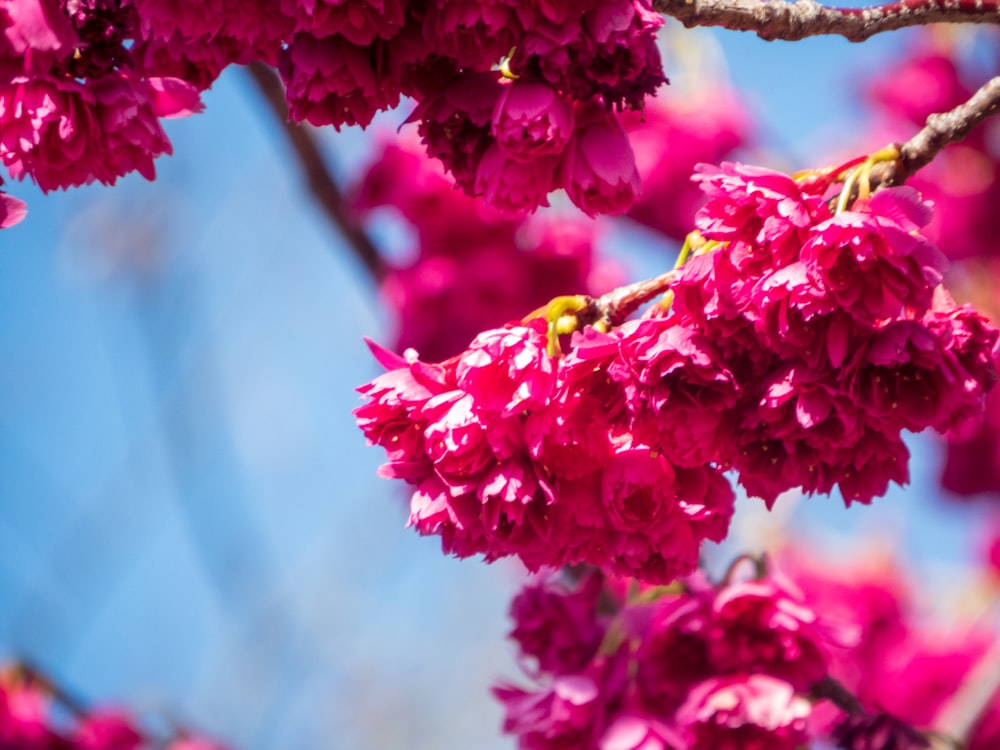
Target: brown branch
pixel 791 21
pixel 615 306
pixel 317 176
pixel 940 130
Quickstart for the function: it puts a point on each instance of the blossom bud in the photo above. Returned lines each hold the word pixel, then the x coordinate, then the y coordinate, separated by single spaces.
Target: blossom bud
pixel 599 171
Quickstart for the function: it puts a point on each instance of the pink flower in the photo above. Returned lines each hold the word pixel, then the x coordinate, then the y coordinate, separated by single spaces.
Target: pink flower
pixel 531 120
pixel 598 168
pixel 879 731
pixel 636 731
pixel 560 718
pixel 744 712
pixel 359 21
pixel 454 124
pixel 12 210
pixel 764 214
pixel 476 33
pixel 508 371
pixel 556 625
pixel 330 81
pixel 107 730
pixel 706 129
pixel 760 626
pixel 513 186
pixel 872 259
pixel 36 34
pixel 678 388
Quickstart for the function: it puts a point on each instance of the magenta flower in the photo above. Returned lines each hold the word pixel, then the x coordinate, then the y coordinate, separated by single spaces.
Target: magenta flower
pixel 508 371
pixel 598 168
pixel 556 626
pixel 872 259
pixel 359 22
pixel 107 730
pixel 764 214
pixel 330 81
pixel 744 712
pixel 12 210
pixel 34 34
pixel 513 186
pixel 476 33
pixel 532 120
pixel 560 718
pixel 879 731
pixel 760 626
pixel 637 731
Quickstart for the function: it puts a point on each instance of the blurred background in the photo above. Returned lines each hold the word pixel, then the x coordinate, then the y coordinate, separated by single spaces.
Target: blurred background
pixel 190 523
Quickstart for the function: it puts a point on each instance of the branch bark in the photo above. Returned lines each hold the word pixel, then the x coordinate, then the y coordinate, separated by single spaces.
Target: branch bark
pixel 942 129
pixel 791 21
pixel 317 176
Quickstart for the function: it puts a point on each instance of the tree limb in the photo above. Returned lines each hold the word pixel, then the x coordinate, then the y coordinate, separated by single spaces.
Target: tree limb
pixel 791 21
pixel 317 176
pixel 941 129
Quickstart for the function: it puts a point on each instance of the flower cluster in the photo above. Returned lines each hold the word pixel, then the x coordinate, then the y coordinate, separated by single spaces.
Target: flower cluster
pixel 962 184
pixel 900 666
pixel 74 106
pixel 799 345
pixel 835 329
pixel 469 267
pixel 693 668
pixel 548 122
pixel 28 722
pixel 745 663
pixel 513 452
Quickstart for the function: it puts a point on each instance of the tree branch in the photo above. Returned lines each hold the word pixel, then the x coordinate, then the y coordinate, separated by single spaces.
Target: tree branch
pixel 317 176
pixel 791 21
pixel 942 129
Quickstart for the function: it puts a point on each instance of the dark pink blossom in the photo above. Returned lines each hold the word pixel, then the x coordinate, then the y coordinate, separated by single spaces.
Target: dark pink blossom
pixel 454 124
pixel 531 120
pixel 508 371
pixel 761 626
pixel 34 34
pixel 636 731
pixel 744 712
pixel 872 259
pixel 330 81
pixel 559 718
pixel 12 210
pixel 476 33
pixel 598 167
pixel 513 186
pixel 707 127
pixel 764 214
pixel 107 730
pixel 556 625
pixel 359 21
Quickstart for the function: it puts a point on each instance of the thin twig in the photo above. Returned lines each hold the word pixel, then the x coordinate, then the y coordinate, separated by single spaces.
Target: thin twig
pixel 790 21
pixel 321 184
pixel 940 130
